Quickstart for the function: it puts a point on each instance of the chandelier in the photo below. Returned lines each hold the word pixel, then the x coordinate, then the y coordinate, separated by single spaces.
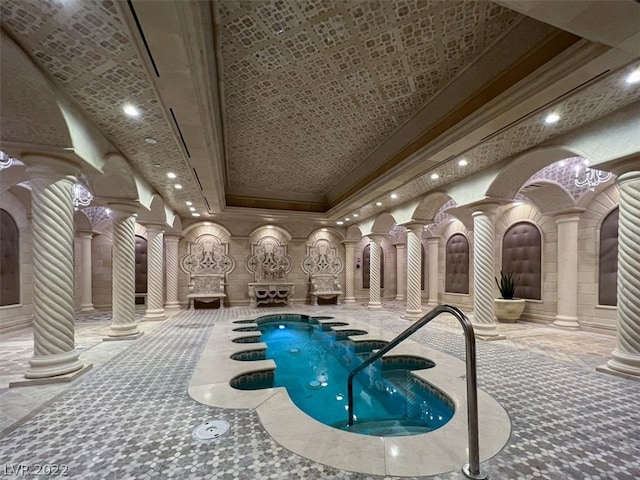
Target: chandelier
pixel 5 160
pixel 590 177
pixel 81 196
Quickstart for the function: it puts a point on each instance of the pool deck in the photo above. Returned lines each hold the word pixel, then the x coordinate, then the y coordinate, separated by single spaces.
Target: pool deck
pixel 130 417
pixel 439 451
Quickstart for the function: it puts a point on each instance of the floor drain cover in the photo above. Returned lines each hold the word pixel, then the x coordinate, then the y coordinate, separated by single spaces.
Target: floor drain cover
pixel 210 430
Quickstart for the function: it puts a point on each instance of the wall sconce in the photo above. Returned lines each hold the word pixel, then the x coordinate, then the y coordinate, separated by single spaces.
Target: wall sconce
pixel 358 262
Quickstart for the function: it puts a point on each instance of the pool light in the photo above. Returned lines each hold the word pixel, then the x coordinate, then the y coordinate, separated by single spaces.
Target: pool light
pixel 281 327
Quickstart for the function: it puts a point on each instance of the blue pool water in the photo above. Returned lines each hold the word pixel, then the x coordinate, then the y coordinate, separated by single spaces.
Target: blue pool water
pixel 314 366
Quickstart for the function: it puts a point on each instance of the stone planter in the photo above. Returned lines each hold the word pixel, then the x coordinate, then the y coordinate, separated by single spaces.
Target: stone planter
pixel 509 311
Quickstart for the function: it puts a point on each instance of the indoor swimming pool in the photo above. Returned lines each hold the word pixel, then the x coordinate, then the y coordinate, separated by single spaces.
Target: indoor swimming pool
pixel 239 370
pixel 313 363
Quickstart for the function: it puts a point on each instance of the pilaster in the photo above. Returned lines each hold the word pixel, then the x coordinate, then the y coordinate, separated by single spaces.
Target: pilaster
pixel 567 289
pixel 350 271
pixel 155 273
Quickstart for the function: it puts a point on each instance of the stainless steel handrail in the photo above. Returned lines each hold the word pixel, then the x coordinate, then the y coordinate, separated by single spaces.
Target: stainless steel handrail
pixel 471 469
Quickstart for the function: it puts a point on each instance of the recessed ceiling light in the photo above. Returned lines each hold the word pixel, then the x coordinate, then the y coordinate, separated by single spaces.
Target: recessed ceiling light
pixel 463 162
pixel 130 110
pixel 171 175
pixel 517 204
pixel 378 204
pixel 435 176
pixel 151 140
pixel 178 186
pixel 552 118
pixel 269 226
pixel 194 214
pixel 634 77
pixel 394 196
pixel 192 209
pixel 189 203
pixel 347 219
pixel 355 215
pixel 339 223
pixel 324 229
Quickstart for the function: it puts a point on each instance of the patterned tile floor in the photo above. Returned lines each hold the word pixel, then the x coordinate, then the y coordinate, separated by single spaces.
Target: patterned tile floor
pixel 131 418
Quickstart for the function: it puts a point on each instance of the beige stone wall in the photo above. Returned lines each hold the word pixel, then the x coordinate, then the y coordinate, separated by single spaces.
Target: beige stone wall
pixel 101 246
pixel 591 315
pixel 18 316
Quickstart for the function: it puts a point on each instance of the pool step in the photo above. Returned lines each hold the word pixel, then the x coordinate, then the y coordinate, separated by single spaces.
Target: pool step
pixel 389 428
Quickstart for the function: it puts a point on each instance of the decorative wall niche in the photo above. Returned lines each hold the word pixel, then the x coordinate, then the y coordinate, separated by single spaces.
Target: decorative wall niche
pixel 322 257
pixel 269 260
pixel 207 255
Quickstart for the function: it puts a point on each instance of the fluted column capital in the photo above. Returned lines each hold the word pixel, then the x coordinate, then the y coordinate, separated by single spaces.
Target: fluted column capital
pixel 487 208
pixel 154 228
pixel 86 234
pixel 377 238
pixel 170 238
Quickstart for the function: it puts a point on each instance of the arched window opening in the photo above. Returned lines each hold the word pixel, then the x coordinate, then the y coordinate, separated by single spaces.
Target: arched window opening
pixel 522 255
pixel 9 260
pixel 366 267
pixel 608 260
pixel 457 264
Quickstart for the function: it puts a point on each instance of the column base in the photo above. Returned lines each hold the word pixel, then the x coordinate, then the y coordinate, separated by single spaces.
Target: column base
pixel 374 305
pixel 350 300
pixel 399 297
pixel 565 321
pixel 627 364
pixel 172 306
pixel 123 330
pixel 87 308
pixel 44 366
pixel 67 377
pixel 487 331
pixel 123 337
pixel 412 314
pixel 432 304
pixel 154 314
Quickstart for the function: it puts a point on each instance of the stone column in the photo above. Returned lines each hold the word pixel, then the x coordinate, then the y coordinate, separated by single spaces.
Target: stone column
pixel 414 260
pixel 401 269
pixel 86 295
pixel 171 271
pixel 123 325
pixel 155 273
pixel 350 271
pixel 374 273
pixel 484 321
pixel 433 244
pixel 54 350
pixel 567 311
pixel 626 356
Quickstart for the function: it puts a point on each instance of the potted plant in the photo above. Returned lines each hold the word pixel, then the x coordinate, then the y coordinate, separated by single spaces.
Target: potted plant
pixel 507 308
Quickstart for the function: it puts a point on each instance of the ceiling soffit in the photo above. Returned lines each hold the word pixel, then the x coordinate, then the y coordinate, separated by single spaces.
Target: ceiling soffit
pixel 312 88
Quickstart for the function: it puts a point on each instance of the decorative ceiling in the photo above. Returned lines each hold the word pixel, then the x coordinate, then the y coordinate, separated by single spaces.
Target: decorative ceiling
pixel 311 88
pixel 310 92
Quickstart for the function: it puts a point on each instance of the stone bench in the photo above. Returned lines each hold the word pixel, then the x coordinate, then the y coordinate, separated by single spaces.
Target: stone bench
pixel 325 286
pixel 206 288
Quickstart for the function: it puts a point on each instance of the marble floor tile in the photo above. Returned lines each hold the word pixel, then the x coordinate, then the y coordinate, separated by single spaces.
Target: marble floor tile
pixel 131 416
